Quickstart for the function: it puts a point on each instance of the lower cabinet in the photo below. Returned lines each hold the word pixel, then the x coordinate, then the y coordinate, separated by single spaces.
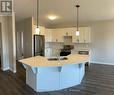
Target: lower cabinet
pixel 48 79
pixel 69 76
pixel 81 70
pixel 51 78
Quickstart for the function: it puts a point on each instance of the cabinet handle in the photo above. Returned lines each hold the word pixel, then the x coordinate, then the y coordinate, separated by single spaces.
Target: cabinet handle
pixel 84 41
pixel 56 40
pixel 67 33
pixel 78 40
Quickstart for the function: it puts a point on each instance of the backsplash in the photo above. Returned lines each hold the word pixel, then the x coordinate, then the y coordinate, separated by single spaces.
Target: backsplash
pixel 81 47
pixel 56 46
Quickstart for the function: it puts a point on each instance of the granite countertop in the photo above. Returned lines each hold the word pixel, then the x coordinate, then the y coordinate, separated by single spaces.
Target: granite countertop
pixel 39 61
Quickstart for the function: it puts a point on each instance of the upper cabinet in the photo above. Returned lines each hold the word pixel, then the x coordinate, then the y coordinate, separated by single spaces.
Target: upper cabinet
pixel 84 37
pixel 48 35
pixel 87 37
pixel 42 30
pixel 80 38
pixel 57 35
pixel 68 31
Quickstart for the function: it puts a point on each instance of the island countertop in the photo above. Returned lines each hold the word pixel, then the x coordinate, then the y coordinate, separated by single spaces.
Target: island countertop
pixel 39 61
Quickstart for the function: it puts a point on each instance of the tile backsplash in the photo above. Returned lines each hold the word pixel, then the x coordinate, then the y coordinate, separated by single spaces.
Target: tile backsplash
pixel 56 46
pixel 81 47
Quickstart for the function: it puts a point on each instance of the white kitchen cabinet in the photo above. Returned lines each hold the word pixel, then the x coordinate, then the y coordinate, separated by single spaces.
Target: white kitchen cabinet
pixel 42 30
pixel 81 36
pixel 48 35
pixel 57 35
pixel 84 37
pixel 75 39
pixel 87 35
pixel 68 31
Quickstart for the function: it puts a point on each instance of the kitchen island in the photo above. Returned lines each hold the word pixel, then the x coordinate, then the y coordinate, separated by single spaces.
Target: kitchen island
pixel 50 74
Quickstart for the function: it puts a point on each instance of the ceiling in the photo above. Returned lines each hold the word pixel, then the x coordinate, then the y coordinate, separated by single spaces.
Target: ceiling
pixel 90 10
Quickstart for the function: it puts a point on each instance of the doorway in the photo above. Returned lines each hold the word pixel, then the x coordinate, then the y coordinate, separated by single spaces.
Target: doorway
pixel 20 50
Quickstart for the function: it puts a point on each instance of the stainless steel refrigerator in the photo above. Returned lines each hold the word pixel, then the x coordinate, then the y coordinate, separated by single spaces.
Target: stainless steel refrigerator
pixel 39 45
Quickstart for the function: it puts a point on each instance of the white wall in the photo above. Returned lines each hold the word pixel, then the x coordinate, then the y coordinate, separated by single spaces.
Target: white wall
pixel 12 42
pixel 8 54
pixel 102 47
pixel 26 26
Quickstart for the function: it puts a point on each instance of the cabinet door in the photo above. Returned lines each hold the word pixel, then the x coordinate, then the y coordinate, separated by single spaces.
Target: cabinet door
pixel 88 35
pixel 84 37
pixel 81 36
pixel 54 36
pixel 48 78
pixel 42 30
pixel 57 35
pixel 75 38
pixel 69 76
pixel 48 35
pixel 78 39
pixel 60 35
pixel 68 31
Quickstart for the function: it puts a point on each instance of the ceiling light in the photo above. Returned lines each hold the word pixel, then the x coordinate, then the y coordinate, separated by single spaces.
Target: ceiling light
pixel 77 31
pixel 52 17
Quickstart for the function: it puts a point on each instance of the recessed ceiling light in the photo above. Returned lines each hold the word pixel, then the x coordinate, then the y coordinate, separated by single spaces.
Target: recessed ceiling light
pixel 52 17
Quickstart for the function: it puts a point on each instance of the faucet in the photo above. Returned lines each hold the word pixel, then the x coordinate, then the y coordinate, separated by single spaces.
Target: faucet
pixel 58 54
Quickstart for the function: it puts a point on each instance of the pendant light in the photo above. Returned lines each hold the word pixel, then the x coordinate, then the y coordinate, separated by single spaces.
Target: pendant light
pixel 37 31
pixel 77 31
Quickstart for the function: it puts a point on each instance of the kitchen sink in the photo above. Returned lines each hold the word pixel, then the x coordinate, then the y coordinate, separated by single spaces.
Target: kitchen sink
pixel 55 58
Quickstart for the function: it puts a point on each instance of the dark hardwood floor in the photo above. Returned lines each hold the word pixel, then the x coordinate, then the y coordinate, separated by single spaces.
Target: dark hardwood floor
pixel 98 80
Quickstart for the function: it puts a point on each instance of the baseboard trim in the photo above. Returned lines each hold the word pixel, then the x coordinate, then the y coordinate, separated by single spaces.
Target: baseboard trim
pixel 14 71
pixel 94 62
pixel 5 69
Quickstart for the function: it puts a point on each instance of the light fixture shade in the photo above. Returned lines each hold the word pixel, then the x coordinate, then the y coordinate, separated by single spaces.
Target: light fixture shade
pixel 77 33
pixel 37 31
pixel 52 17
